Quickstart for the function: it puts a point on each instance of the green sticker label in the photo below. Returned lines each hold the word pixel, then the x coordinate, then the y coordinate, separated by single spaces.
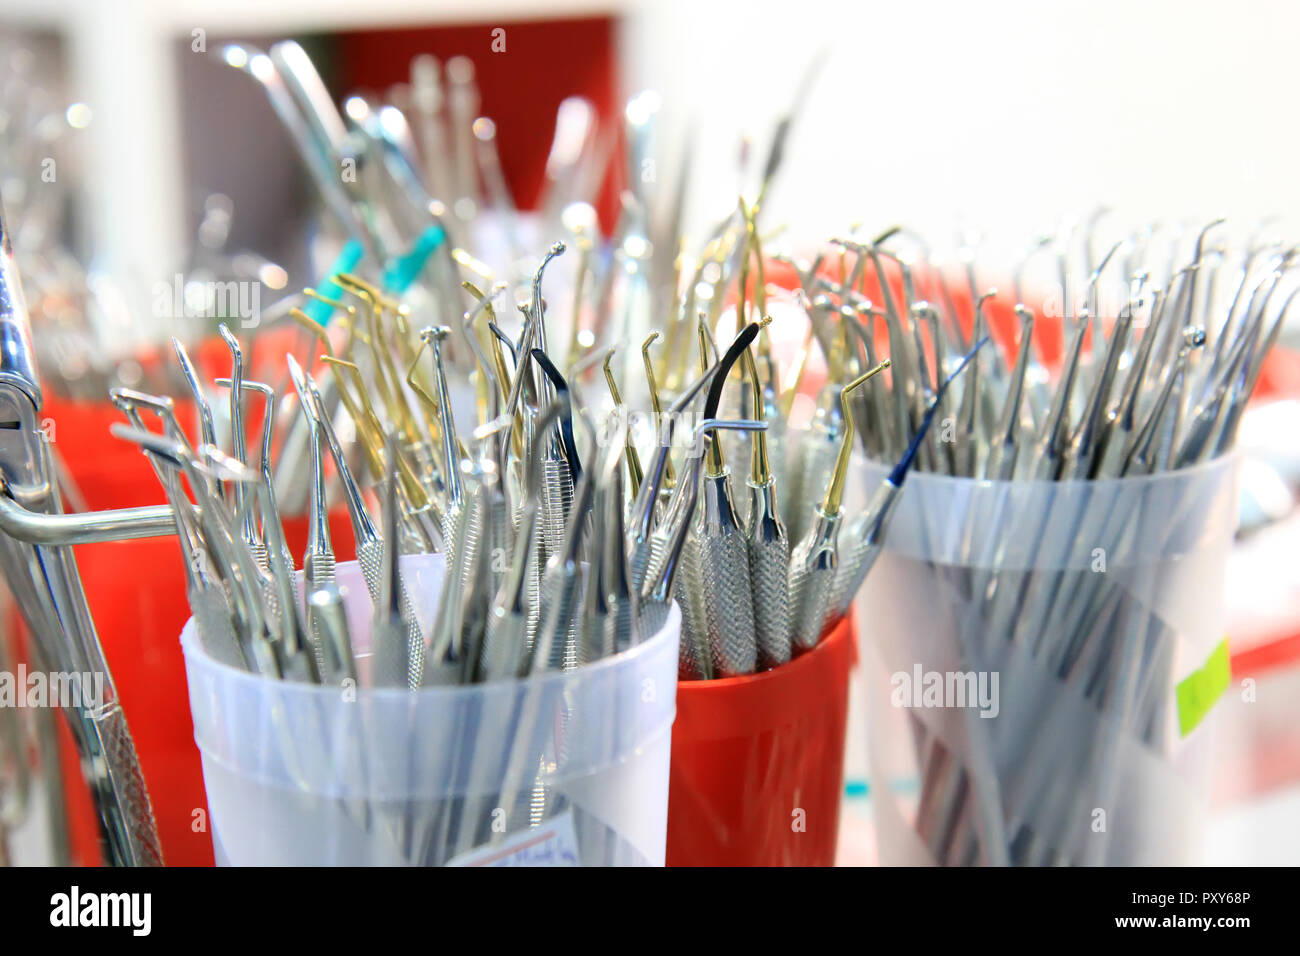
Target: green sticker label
pixel 1199 690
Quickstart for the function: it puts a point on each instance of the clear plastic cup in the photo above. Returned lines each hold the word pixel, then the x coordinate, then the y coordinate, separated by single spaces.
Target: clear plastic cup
pixel 300 774
pixel 1037 657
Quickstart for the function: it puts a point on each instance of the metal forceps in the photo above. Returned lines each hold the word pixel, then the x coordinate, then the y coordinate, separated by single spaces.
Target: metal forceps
pixel 47 587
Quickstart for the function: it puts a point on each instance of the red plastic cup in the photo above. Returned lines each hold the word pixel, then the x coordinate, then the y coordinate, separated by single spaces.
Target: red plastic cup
pixel 136 593
pixel 757 770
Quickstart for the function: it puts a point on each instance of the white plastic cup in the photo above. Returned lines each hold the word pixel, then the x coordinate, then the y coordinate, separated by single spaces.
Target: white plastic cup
pixel 1133 569
pixel 300 774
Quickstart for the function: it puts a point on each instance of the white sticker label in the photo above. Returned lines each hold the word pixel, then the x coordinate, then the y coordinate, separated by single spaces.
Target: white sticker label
pixel 551 844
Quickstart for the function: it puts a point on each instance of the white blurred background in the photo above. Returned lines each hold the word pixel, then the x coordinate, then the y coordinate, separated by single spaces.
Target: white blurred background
pixel 1007 114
